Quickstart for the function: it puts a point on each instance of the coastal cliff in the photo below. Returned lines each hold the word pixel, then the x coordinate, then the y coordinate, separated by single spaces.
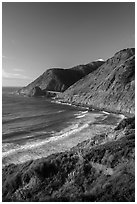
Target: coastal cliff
pixel 111 87
pixel 105 85
pixel 58 79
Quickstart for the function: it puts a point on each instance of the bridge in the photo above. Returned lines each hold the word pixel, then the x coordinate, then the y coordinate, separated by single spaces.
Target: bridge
pixel 54 92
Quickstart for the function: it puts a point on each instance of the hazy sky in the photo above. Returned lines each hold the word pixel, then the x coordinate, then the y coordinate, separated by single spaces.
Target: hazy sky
pixel 38 36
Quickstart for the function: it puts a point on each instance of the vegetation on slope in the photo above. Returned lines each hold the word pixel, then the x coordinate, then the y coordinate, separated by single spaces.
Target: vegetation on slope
pixel 99 169
pixel 58 79
pixel 111 87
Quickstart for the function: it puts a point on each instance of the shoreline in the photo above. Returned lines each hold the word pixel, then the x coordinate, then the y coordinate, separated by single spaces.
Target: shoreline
pixel 83 106
pixel 89 125
pixel 86 125
pixel 91 107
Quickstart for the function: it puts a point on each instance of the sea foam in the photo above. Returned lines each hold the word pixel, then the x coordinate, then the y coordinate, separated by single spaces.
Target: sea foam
pixel 28 146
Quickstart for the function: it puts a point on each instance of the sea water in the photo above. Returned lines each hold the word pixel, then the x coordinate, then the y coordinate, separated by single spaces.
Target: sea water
pixel 31 121
pixel 31 126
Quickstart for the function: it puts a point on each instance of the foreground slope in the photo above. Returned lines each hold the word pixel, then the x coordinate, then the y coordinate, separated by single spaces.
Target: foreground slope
pixel 100 169
pixel 58 79
pixel 111 87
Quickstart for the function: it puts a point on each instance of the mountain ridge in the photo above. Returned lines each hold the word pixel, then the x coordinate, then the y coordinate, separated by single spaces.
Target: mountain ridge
pixel 105 85
pixel 110 87
pixel 59 79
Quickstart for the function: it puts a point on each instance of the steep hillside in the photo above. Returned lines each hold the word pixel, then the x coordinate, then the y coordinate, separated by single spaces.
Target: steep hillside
pixel 111 87
pixel 58 79
pixel 101 169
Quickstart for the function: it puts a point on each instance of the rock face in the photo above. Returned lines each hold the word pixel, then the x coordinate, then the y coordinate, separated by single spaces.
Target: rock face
pixel 36 91
pixel 58 79
pixel 111 87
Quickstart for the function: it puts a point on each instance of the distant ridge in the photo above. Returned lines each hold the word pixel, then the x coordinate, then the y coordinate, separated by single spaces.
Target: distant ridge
pixel 59 79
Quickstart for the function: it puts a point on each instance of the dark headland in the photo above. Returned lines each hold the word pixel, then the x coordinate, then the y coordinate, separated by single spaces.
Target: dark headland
pixel 100 169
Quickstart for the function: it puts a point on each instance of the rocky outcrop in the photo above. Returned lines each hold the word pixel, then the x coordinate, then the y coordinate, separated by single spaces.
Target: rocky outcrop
pixel 36 91
pixel 111 87
pixel 58 79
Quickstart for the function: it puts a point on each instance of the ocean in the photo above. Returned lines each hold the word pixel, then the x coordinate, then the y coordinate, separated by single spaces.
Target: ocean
pixel 30 120
pixel 35 127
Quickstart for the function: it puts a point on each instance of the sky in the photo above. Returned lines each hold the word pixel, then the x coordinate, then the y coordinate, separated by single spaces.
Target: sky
pixel 39 36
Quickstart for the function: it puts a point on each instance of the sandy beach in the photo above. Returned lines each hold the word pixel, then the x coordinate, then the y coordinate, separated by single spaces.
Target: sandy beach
pixel 90 124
